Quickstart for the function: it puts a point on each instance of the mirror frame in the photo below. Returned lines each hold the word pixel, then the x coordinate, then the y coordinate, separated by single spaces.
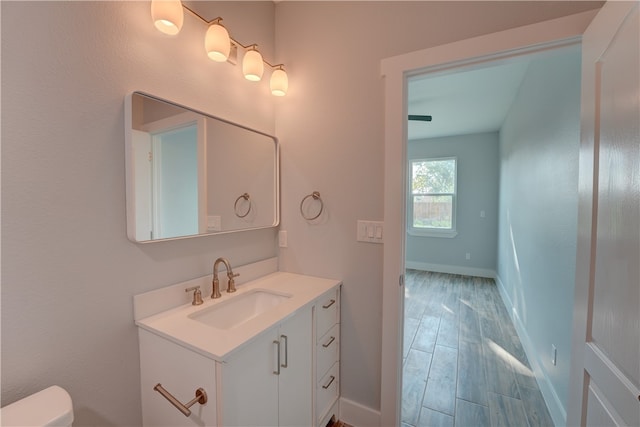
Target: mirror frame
pixel 130 171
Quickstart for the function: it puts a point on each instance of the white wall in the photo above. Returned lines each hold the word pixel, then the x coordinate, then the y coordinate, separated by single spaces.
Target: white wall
pixel 68 271
pixel 477 190
pixel 331 130
pixel 539 145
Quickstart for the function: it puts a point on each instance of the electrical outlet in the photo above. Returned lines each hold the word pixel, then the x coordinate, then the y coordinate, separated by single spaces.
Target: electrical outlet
pixel 468 256
pixel 214 223
pixel 554 354
pixel 282 239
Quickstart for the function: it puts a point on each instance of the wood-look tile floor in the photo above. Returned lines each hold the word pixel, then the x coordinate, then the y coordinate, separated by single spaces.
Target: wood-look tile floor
pixel 463 364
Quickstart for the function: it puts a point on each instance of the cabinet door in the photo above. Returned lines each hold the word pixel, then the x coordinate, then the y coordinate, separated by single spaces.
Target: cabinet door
pixel 296 373
pixel 249 388
pixel 181 372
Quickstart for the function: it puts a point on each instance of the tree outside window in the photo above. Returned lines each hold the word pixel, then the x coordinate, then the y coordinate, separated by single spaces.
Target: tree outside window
pixel 433 195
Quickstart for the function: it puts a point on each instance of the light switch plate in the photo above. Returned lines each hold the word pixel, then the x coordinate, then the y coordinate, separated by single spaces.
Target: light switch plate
pixel 214 223
pixel 370 231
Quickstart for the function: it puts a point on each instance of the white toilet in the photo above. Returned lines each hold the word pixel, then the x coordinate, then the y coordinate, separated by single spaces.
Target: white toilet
pixel 49 407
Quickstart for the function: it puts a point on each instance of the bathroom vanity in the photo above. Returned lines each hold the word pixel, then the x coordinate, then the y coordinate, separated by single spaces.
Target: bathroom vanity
pixel 266 355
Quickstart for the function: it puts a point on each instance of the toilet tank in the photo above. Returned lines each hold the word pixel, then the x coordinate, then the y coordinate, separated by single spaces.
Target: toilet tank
pixel 49 407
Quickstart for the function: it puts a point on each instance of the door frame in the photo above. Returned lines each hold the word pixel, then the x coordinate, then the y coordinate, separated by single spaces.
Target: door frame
pixel 166 125
pixel 395 70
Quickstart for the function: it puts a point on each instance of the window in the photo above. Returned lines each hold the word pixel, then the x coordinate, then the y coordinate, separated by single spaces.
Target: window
pixel 432 202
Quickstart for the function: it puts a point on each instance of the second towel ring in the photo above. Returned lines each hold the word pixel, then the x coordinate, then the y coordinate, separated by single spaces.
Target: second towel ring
pixel 316 196
pixel 246 197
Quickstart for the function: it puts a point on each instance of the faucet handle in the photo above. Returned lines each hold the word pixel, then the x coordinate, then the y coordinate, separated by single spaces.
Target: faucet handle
pixel 231 284
pixel 197 295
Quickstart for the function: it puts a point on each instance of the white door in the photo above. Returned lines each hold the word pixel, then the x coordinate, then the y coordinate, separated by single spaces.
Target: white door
pixel 248 396
pixel 295 381
pixel 605 377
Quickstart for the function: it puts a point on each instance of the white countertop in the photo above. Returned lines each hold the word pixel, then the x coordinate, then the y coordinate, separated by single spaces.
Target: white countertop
pixel 175 324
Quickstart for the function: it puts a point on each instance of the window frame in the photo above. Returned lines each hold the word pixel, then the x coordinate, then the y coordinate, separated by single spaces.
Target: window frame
pixel 432 231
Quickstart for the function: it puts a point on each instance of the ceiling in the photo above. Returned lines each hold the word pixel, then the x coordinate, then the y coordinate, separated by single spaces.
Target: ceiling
pixel 464 102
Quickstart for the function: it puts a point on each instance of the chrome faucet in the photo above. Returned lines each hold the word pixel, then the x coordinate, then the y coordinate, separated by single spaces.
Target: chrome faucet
pixel 231 285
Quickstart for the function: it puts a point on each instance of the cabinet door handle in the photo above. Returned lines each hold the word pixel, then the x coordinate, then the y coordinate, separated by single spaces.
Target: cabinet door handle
pixel 330 304
pixel 277 371
pixel 327 344
pixel 286 351
pixel 326 386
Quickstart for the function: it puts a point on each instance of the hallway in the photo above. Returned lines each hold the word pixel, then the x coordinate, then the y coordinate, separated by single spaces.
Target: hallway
pixel 463 364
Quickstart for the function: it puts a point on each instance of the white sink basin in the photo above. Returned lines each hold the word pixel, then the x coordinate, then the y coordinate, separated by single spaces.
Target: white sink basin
pixel 239 309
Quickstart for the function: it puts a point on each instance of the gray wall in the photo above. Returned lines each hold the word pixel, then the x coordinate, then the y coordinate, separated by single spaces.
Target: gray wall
pixel 539 144
pixel 332 133
pixel 478 174
pixel 68 271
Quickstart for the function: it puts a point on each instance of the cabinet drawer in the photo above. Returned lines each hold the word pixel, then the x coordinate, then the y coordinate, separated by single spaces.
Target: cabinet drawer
pixel 330 417
pixel 327 350
pixel 327 311
pixel 327 390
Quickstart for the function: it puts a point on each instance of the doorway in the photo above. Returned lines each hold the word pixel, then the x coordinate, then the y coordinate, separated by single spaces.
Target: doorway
pixel 490 127
pixel 536 38
pixel 175 182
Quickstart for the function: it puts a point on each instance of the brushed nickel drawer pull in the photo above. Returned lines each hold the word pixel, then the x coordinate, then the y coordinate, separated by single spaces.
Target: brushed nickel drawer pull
pixel 277 344
pixel 329 383
pixel 330 304
pixel 201 398
pixel 286 351
pixel 329 343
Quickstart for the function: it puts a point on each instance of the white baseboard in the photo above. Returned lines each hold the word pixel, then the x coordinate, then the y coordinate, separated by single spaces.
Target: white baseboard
pixel 358 415
pixel 556 409
pixel 451 269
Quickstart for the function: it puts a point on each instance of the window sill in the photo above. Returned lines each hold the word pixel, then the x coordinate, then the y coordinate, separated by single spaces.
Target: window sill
pixel 447 234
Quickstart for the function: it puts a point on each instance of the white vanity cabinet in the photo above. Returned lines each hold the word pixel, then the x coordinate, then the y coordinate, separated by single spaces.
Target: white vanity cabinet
pixel 287 375
pixel 327 357
pixel 181 372
pixel 269 381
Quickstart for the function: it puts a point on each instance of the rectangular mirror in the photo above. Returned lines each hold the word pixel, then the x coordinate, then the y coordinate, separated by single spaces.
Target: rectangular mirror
pixel 190 174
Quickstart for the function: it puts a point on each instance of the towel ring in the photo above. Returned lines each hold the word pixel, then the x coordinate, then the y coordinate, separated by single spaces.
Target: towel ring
pixel 246 197
pixel 316 196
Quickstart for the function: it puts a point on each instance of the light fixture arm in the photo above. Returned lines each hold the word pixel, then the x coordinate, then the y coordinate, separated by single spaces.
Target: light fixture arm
pixel 217 41
pixel 218 20
pixel 194 13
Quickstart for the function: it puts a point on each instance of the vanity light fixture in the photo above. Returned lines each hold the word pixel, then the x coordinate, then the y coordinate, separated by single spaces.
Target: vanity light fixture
pixel 252 66
pixel 279 82
pixel 168 17
pixel 217 41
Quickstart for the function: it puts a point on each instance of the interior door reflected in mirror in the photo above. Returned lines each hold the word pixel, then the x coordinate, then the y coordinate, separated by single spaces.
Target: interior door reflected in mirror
pixel 190 174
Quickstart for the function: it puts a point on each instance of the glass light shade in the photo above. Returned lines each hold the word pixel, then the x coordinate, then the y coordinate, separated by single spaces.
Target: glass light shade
pixel 279 82
pixel 252 66
pixel 167 15
pixel 217 43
